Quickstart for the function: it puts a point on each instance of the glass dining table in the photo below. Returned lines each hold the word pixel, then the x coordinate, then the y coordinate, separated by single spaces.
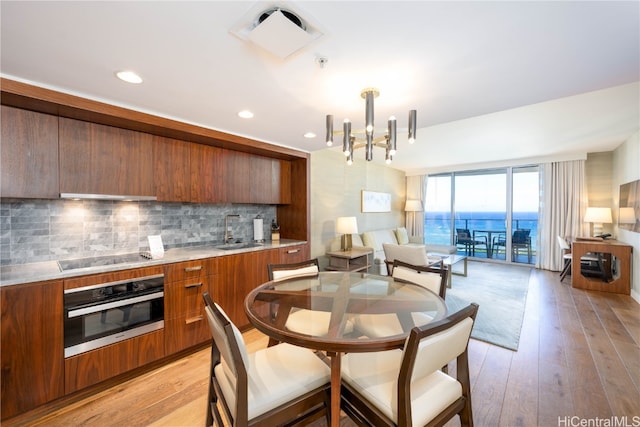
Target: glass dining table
pixel 337 299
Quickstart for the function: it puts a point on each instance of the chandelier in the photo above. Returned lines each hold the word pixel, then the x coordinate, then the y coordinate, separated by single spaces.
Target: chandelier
pixel 354 139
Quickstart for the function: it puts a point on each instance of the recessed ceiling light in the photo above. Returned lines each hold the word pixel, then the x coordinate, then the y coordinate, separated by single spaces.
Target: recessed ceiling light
pixel 245 114
pixel 309 135
pixel 129 77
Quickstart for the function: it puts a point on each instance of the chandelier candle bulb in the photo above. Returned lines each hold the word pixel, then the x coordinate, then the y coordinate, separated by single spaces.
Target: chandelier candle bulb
pixel 369 112
pixel 412 126
pixel 346 127
pixel 329 130
pixel 392 135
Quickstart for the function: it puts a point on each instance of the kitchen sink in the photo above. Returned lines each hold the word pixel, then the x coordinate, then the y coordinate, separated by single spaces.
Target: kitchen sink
pixel 233 246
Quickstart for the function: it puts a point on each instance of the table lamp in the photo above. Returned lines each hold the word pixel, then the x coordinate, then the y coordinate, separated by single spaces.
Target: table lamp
pixel 598 216
pixel 346 225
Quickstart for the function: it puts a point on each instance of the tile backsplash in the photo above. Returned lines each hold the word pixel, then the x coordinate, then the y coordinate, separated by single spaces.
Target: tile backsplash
pixel 33 230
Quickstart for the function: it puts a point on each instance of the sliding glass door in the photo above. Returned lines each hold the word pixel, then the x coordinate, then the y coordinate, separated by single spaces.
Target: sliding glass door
pixel 480 206
pixel 491 214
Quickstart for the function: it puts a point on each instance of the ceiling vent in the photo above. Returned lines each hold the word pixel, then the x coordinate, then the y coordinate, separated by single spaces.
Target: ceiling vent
pixel 277 30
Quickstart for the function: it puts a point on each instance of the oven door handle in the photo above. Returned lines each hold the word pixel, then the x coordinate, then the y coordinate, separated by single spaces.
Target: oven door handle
pixel 115 304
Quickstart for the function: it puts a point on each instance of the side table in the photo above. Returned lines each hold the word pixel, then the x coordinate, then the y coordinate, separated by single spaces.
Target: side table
pixel 351 260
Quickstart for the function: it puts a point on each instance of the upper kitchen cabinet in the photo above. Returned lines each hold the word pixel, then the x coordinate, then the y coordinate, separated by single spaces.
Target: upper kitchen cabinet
pixel 172 169
pixel 207 174
pixel 29 161
pixel 99 159
pixel 270 180
pixel 239 176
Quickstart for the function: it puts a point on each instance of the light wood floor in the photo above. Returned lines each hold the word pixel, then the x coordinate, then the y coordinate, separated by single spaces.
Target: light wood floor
pixel 579 356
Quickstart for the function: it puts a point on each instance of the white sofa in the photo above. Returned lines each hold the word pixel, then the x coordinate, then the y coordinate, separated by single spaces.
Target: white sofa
pixel 397 236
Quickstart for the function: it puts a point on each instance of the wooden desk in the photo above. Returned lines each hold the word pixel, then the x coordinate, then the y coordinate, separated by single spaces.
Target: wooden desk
pixel 614 252
pixel 345 295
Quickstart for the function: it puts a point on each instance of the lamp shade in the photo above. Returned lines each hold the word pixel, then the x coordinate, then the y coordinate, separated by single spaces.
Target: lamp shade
pixel 346 225
pixel 413 206
pixel 598 215
pixel 627 216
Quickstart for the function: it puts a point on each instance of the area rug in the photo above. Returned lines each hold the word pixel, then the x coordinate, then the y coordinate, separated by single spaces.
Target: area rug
pixel 501 292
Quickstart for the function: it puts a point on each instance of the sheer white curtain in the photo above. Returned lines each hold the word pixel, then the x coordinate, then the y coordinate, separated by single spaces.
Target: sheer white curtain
pixel 563 203
pixel 415 191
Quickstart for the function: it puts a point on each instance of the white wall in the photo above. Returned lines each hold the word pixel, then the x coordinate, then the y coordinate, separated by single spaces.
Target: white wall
pixel 336 191
pixel 626 168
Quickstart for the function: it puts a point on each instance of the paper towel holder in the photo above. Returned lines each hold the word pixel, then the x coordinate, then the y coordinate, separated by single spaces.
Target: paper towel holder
pixel 258 230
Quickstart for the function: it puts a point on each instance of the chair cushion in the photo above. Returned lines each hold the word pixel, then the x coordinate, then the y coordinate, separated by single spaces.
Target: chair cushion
pixel 298 272
pixel 402 236
pixel 276 375
pixel 375 239
pixel 314 323
pixel 411 254
pixel 375 375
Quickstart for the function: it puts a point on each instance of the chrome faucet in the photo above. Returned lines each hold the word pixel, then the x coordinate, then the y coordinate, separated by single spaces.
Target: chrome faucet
pixel 228 234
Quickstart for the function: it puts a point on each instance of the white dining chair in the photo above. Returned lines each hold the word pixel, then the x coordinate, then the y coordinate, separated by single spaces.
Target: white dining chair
pixel 272 386
pixel 408 387
pixel 433 278
pixel 313 322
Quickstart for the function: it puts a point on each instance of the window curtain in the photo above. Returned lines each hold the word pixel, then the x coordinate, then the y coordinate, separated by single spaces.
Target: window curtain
pixel 414 221
pixel 562 206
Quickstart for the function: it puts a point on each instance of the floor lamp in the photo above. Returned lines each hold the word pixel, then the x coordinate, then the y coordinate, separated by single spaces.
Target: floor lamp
pixel 412 206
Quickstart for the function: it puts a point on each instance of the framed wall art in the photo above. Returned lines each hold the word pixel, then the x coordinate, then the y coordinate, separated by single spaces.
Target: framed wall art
pixel 629 203
pixel 373 201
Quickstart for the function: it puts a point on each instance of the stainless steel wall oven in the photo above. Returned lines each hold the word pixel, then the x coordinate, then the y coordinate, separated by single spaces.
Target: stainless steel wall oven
pixel 99 315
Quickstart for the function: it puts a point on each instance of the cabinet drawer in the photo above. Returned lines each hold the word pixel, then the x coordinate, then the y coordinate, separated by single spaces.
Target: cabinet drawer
pixel 190 269
pixel 295 253
pixel 184 332
pixel 104 363
pixel 184 298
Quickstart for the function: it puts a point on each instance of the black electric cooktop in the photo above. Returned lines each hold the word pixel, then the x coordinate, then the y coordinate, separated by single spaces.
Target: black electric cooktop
pixel 72 264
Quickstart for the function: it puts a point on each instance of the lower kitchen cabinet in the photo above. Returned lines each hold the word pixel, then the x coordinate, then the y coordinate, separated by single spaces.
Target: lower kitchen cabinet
pixel 185 323
pixel 292 254
pixel 32 345
pixel 104 363
pixel 240 274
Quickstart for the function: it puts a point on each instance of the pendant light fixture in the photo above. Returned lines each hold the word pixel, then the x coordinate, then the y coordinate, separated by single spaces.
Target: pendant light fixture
pixel 354 139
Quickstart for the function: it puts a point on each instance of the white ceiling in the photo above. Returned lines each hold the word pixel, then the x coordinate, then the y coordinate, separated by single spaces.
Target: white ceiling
pixel 491 80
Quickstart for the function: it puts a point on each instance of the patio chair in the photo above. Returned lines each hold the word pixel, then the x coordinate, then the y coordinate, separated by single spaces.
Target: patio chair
pixel 519 240
pixel 464 238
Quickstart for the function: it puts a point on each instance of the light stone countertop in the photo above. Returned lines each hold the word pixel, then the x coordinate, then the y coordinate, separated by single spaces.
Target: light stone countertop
pixel 50 270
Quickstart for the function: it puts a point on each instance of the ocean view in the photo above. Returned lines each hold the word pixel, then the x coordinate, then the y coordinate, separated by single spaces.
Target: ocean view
pixel 437 225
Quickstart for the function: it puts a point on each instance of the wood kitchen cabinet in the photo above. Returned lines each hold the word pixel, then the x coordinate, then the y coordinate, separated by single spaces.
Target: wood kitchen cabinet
pixel 207 174
pixel 238 176
pixel 32 342
pixel 240 274
pixel 99 159
pixel 171 169
pixel 185 322
pixel 291 254
pixel 29 148
pixel 270 180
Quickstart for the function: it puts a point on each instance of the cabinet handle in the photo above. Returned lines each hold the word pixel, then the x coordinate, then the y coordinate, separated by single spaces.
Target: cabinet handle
pixel 193 319
pixel 293 251
pixel 190 269
pixel 193 285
